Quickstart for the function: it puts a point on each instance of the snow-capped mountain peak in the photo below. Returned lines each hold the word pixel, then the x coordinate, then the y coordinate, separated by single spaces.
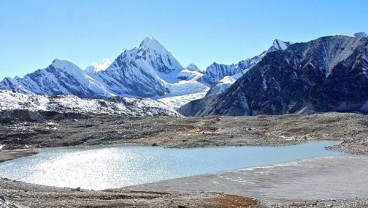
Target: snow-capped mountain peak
pixel 151 43
pixel 279 45
pixel 149 70
pixel 151 60
pixel 154 54
pixel 68 68
pixel 64 65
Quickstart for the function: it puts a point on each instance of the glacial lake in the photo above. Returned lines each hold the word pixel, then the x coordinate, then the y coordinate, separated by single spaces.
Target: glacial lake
pixel 102 167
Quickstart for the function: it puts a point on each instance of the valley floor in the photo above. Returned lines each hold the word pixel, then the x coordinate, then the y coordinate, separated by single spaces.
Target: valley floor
pixel 336 179
pixel 58 130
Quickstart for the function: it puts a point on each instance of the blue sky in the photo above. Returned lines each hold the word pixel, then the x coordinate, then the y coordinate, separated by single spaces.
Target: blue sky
pixel 34 32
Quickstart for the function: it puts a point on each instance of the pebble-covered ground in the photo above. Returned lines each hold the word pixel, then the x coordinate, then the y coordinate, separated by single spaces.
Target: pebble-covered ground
pixel 17 194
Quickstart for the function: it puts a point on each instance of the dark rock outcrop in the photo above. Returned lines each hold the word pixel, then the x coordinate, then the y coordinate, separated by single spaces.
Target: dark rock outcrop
pixel 326 74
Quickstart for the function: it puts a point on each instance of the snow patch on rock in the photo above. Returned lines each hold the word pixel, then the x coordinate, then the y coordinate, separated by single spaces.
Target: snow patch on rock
pixel 72 104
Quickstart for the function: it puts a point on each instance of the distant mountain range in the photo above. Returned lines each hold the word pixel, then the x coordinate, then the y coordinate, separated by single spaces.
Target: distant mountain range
pixel 326 74
pixel 146 71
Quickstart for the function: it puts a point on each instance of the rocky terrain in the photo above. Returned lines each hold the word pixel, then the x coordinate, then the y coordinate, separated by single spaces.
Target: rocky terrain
pixel 17 194
pixel 24 134
pixel 55 129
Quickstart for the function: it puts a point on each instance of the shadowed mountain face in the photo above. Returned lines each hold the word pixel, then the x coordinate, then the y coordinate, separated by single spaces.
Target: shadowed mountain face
pixel 327 74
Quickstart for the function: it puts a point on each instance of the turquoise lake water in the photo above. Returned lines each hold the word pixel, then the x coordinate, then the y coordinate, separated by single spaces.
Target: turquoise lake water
pixel 102 167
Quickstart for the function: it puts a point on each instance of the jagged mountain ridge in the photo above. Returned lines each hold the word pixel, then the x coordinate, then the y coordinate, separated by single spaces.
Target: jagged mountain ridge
pixel 216 72
pixel 146 71
pixel 326 74
pixel 221 76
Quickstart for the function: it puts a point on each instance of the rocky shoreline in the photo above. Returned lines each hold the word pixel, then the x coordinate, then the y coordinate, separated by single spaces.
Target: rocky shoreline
pixel 6 155
pixel 57 130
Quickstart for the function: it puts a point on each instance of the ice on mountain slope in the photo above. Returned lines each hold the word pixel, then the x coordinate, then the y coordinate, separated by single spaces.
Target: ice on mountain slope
pixel 72 104
pixel 229 79
pixel 279 45
pixel 186 87
pixel 187 74
pixel 223 84
pixel 177 101
pixel 98 67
